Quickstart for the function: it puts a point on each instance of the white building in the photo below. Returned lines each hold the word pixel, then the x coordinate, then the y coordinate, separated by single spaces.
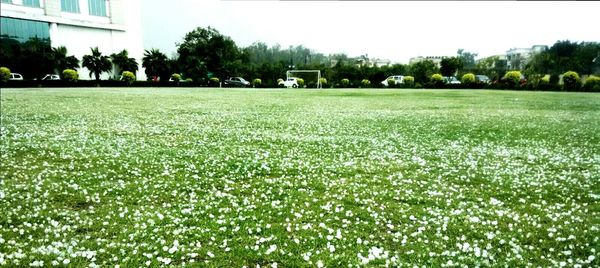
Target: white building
pixel 437 60
pixel 110 25
pixel 517 58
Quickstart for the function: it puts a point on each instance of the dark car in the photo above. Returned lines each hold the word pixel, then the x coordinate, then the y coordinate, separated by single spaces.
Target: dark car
pixel 482 79
pixel 236 82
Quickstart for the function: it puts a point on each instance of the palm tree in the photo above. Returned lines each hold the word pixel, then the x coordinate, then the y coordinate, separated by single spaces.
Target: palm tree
pixel 155 63
pixel 96 63
pixel 123 62
pixel 62 61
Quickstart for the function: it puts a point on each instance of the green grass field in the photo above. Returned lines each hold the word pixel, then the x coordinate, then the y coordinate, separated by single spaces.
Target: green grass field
pixel 294 178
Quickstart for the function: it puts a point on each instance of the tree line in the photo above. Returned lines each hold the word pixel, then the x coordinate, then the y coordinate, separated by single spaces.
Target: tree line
pixel 206 54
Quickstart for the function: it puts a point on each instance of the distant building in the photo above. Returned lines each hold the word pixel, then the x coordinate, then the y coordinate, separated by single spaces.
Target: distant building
pixel 517 58
pixel 437 60
pixel 78 25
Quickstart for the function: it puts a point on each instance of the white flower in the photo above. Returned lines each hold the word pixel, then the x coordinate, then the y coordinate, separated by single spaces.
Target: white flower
pixel 320 264
pixel 271 249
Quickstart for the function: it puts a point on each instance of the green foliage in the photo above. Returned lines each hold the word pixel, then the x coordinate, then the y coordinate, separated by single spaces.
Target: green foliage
pixel 409 81
pixel 96 63
pixel 365 83
pixel 32 59
pixel 123 62
pixel 391 82
pixel 4 74
pixel 468 79
pixel 189 80
pixel 512 79
pixel 323 81
pixel 70 75
pixel 206 50
pixel 592 83
pixel 176 77
pixel 257 82
pixel 214 82
pixel 156 64
pixel 279 80
pixel 571 81
pixel 300 82
pixel 423 70
pixel 449 66
pixel 62 61
pixel 345 82
pixel 128 77
pixel 437 80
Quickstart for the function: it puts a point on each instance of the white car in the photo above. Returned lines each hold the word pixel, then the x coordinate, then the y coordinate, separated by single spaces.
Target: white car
pixel 51 77
pixel 290 82
pixel 399 79
pixel 15 76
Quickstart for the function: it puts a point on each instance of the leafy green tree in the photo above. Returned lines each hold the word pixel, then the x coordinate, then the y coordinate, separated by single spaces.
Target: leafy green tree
pixel 123 62
pixel 62 61
pixel 449 66
pixel 467 59
pixel 422 70
pixel 36 58
pixel 156 64
pixel 96 63
pixel 207 50
pixel 128 77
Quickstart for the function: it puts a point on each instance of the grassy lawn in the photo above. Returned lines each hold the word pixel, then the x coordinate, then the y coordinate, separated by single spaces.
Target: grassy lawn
pixel 240 177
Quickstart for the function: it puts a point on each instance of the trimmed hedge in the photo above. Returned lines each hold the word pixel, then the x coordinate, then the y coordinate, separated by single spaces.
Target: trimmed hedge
pixel 4 74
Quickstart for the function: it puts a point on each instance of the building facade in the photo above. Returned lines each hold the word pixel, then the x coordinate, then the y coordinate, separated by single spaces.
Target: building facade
pixel 517 58
pixel 437 60
pixel 79 25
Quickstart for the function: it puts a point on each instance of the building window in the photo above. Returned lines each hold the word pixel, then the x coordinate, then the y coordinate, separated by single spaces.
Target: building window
pixel 69 6
pixel 31 3
pixel 23 30
pixel 97 7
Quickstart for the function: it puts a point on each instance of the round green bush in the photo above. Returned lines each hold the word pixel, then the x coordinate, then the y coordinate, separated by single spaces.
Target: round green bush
pixel 4 74
pixel 128 77
pixel 176 77
pixel 512 79
pixel 592 83
pixel 345 82
pixel 571 81
pixel 409 81
pixel 257 82
pixel 437 80
pixel 323 81
pixel 468 79
pixel 365 83
pixel 214 81
pixel 189 80
pixel 300 82
pixel 391 82
pixel 70 75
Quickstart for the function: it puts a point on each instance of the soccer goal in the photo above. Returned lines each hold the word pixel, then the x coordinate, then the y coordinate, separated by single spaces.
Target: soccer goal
pixel 309 76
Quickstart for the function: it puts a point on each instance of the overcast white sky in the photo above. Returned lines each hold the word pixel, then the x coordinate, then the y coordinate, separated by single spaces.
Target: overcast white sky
pixel 394 30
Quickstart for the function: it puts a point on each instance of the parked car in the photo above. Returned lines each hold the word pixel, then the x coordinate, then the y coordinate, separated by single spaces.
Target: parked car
pixel 451 80
pixel 399 79
pixel 482 79
pixel 290 82
pixel 51 77
pixel 236 82
pixel 15 76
